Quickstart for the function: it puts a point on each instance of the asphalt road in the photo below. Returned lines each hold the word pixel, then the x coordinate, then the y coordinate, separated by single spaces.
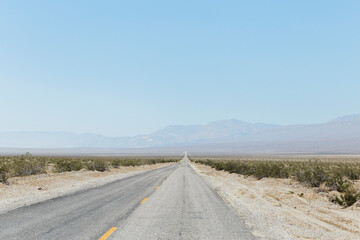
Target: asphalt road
pixel 172 202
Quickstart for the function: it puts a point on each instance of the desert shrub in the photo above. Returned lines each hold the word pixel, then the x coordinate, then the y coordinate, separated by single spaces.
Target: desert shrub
pixel 115 163
pixel 337 181
pixel 312 174
pixel 27 165
pixel 154 161
pixel 100 165
pixel 130 162
pixel 219 166
pixel 4 172
pixel 270 169
pixel 247 168
pixel 352 172
pixel 348 198
pixel 68 165
pixel 231 166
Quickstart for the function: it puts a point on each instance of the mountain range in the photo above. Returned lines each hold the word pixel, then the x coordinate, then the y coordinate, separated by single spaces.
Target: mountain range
pixel 341 135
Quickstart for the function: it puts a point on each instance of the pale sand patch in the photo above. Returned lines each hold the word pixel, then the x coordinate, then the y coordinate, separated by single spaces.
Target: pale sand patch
pixel 275 209
pixel 23 191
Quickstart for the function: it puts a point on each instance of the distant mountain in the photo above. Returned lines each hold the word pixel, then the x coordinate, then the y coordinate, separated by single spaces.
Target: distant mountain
pixel 341 135
pixel 348 118
pixel 170 136
pixel 219 131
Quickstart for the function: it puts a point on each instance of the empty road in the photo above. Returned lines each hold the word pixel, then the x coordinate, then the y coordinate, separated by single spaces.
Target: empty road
pixel 172 202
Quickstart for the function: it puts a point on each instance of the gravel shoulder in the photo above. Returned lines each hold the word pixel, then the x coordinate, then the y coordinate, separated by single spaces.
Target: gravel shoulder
pixel 24 191
pixel 282 208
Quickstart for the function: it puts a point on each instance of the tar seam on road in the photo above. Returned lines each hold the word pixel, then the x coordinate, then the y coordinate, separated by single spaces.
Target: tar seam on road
pixel 108 233
pixel 144 200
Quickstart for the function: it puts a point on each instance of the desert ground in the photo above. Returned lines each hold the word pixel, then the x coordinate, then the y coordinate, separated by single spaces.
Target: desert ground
pixel 284 208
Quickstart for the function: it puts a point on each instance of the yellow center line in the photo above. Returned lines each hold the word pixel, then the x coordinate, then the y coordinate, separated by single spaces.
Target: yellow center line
pixel 157 187
pixel 163 180
pixel 144 200
pixel 108 233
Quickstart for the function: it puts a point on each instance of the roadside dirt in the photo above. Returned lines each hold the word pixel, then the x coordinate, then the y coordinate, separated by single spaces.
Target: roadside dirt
pixel 22 191
pixel 283 209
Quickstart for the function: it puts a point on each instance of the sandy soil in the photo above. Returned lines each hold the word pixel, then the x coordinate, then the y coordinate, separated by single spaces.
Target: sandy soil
pixel 283 209
pixel 22 191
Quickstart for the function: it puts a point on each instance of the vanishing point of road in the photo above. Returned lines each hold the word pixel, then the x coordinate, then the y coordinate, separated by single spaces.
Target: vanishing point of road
pixel 171 202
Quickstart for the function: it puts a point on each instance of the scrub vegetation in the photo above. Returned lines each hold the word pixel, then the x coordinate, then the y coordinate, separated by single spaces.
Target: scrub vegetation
pixel 326 175
pixel 26 165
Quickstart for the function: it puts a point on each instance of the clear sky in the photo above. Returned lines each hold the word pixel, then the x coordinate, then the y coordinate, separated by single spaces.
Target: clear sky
pixel 122 68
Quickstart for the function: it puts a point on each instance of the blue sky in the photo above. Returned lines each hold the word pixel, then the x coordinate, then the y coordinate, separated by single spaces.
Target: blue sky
pixel 123 68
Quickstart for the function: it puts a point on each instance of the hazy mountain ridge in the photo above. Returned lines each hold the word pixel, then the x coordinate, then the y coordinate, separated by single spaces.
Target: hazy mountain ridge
pixel 339 135
pixel 347 118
